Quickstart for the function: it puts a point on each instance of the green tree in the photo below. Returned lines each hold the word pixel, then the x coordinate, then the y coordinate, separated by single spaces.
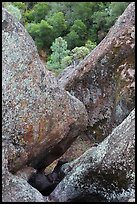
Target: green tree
pixel 37 13
pixel 114 11
pixel 20 5
pixel 59 51
pixel 78 54
pixel 76 22
pixel 85 10
pixel 78 32
pixel 90 44
pixel 29 16
pixel 42 33
pixel 13 10
pixel 73 39
pixel 30 5
pixel 80 28
pixel 40 10
pixel 57 21
pixel 66 61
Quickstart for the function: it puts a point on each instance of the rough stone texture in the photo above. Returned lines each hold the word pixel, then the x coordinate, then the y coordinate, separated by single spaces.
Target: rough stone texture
pixel 26 172
pixel 14 188
pixel 105 173
pixel 104 80
pixel 40 120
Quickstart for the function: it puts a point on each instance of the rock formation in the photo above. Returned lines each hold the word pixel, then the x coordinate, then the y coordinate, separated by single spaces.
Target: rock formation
pixel 42 116
pixel 45 184
pixel 15 188
pixel 104 80
pixel 105 173
pixel 40 120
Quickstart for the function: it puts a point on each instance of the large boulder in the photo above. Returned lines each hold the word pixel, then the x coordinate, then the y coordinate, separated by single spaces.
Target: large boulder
pixel 15 188
pixel 104 80
pixel 40 120
pixel 105 173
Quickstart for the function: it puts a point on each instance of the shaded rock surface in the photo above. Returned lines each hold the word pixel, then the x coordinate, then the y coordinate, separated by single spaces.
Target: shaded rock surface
pixel 104 80
pixel 15 188
pixel 103 173
pixel 40 120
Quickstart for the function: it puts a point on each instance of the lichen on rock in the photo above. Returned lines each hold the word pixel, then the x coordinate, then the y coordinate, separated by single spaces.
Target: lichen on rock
pixel 104 81
pixel 38 116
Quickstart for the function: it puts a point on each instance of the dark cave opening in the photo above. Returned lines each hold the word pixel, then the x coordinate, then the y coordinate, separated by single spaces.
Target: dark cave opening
pixel 45 184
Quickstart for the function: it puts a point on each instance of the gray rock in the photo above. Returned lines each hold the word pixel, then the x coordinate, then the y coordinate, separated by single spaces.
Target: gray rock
pixel 105 173
pixel 14 188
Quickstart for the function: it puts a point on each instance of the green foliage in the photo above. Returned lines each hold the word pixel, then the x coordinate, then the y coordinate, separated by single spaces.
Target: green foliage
pixel 115 10
pixel 90 44
pixel 59 51
pixel 99 20
pixel 66 61
pixel 42 33
pixel 84 11
pixel 79 27
pixel 37 13
pixel 30 5
pixel 33 29
pixel 76 39
pixel 29 16
pixel 78 53
pixel 13 10
pixel 80 24
pixel 20 5
pixel 58 22
pixel 40 11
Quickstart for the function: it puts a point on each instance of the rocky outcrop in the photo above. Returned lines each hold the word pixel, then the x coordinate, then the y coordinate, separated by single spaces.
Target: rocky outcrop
pixel 105 173
pixel 40 120
pixel 104 80
pixel 14 188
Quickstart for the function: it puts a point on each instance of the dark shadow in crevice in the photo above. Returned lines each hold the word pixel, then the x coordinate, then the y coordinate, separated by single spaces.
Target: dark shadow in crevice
pixel 45 184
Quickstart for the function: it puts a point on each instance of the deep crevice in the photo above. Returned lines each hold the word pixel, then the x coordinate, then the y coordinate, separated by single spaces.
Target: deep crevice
pixel 45 184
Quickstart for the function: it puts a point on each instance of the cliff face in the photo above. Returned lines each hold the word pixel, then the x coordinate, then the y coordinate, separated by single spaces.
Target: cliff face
pixel 40 120
pixel 104 80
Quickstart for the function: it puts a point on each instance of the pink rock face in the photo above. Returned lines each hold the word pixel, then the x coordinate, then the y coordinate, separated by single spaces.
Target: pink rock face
pixel 104 80
pixel 40 119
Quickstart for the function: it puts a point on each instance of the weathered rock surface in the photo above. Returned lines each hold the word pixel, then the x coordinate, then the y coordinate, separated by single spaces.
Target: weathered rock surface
pixel 40 120
pixel 104 80
pixel 105 173
pixel 14 188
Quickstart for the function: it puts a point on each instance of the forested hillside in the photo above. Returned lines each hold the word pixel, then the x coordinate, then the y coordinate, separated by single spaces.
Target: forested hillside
pixel 65 32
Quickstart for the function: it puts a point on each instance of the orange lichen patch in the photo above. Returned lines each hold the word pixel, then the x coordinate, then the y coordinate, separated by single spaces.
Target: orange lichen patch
pixel 42 129
pixel 28 137
pixel 24 119
pixel 23 104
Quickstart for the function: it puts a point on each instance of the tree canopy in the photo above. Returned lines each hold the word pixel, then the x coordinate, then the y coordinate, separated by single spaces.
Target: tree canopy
pixel 78 23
